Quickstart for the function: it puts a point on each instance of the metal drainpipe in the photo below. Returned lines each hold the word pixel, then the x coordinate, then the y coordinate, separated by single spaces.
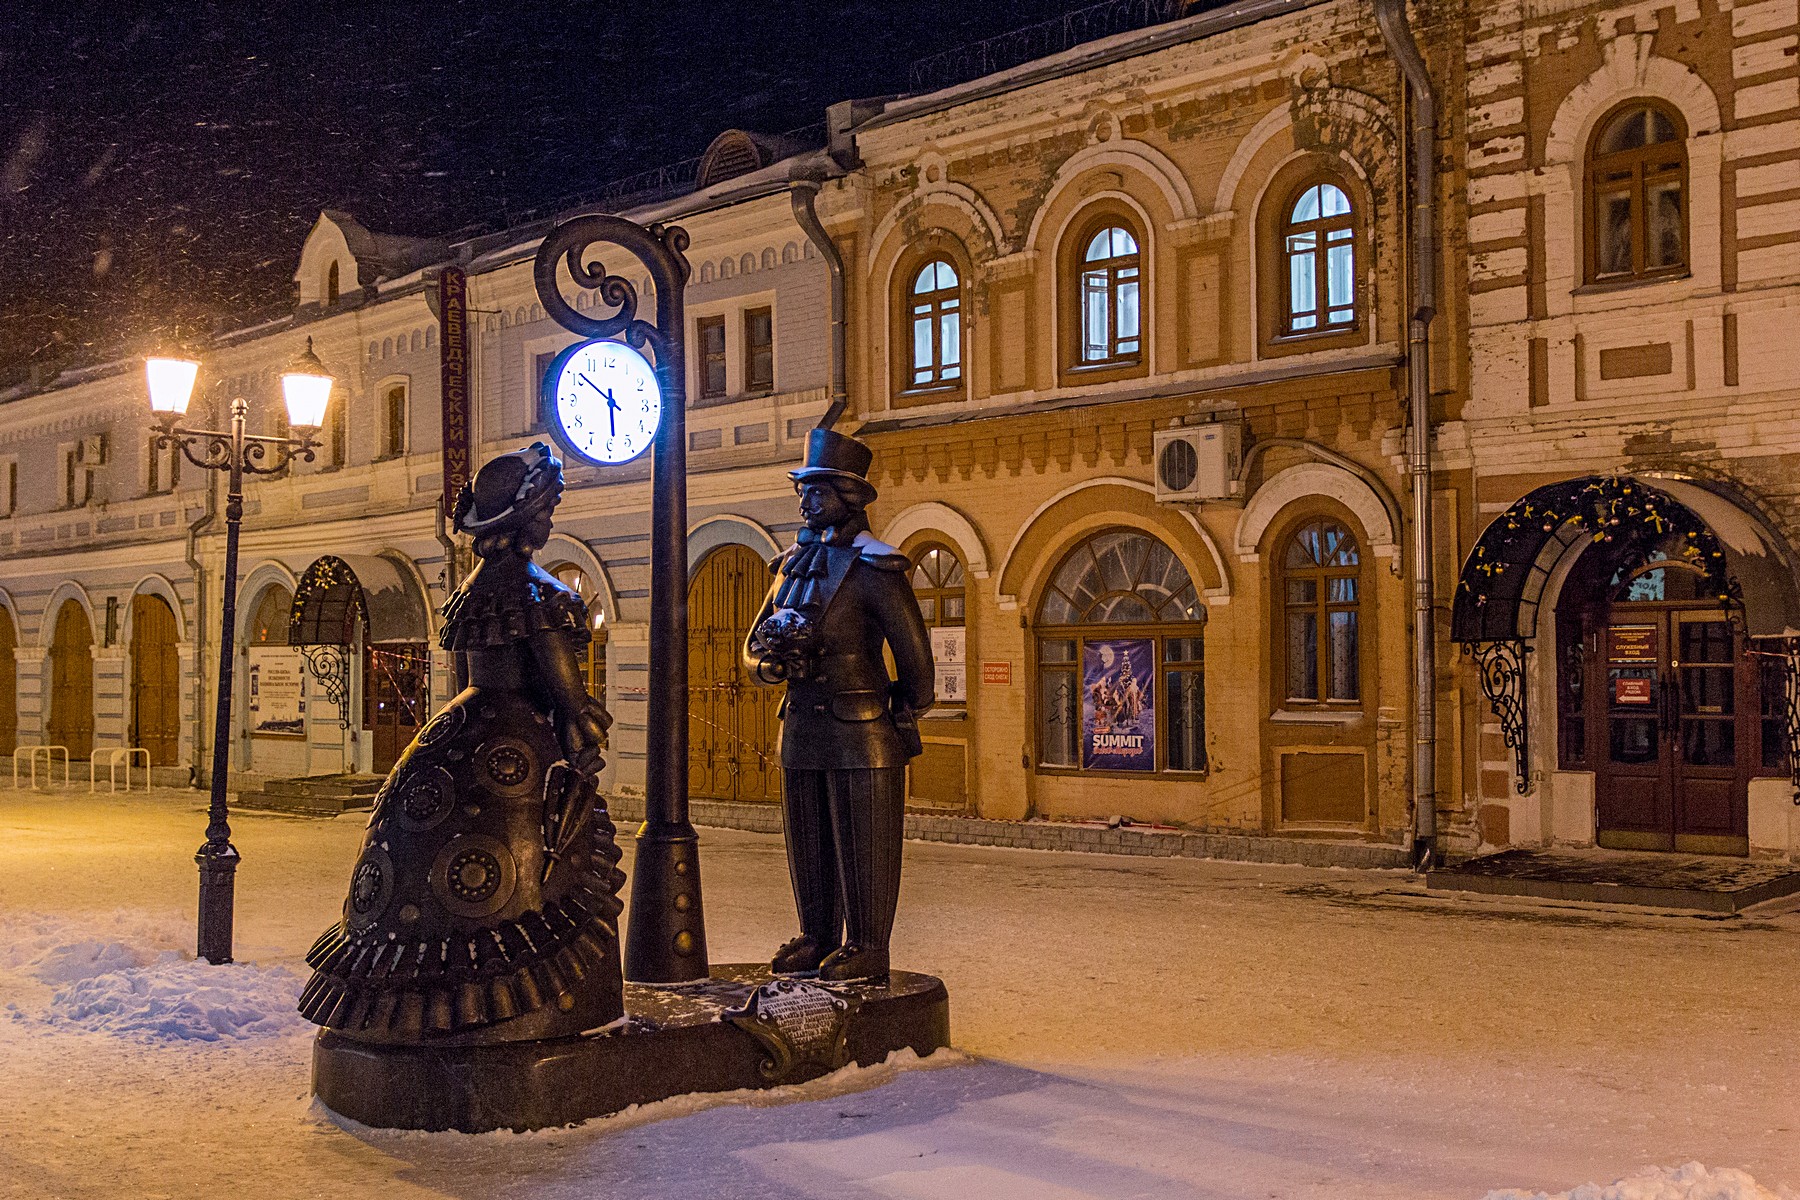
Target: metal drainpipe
pixel 193 562
pixel 1390 15
pixel 805 193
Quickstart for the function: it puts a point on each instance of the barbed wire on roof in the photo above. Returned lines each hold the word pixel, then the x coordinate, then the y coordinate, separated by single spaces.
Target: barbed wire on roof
pixel 963 63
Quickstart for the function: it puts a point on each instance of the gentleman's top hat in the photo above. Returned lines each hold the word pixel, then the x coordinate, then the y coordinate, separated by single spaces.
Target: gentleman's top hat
pixel 841 459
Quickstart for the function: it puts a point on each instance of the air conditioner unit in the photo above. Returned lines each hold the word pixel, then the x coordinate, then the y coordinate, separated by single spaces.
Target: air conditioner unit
pixel 1199 462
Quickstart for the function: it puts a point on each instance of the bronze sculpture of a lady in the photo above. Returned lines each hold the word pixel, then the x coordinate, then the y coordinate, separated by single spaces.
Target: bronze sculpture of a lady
pixel 484 906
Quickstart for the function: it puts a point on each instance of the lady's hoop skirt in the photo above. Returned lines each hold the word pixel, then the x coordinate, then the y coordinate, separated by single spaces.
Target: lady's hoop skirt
pixel 460 924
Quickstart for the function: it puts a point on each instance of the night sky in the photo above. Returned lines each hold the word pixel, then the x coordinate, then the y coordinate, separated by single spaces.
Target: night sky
pixel 161 171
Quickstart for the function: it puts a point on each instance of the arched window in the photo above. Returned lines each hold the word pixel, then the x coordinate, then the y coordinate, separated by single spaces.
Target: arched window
pixel 937 581
pixel 1110 278
pixel 934 318
pixel 1637 180
pixel 331 283
pixel 269 627
pixel 337 430
pixel 1318 256
pixel 393 419
pixel 1321 581
pixel 1120 656
pixel 593 659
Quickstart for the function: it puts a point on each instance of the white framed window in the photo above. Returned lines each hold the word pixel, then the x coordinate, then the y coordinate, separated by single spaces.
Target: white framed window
pixel 393 402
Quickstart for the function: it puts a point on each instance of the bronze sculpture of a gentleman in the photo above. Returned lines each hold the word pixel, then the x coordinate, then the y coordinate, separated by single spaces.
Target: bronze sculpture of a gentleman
pixel 847 727
pixel 483 906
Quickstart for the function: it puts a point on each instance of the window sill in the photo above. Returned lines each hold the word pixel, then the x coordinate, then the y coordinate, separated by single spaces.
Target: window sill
pixel 957 714
pixel 936 394
pixel 1603 287
pixel 1287 716
pixel 1285 344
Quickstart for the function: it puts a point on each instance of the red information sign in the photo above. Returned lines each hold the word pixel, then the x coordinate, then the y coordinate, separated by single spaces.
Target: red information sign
pixel 996 673
pixel 1631 643
pixel 1632 691
pixel 453 344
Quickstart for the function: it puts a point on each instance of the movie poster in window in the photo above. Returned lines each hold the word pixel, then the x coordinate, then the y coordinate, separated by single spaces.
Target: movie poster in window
pixel 1118 705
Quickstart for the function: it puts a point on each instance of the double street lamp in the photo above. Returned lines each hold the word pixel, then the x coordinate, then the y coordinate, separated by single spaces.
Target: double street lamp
pixel 306 386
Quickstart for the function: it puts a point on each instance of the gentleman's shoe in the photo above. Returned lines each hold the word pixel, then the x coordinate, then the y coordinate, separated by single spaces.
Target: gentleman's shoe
pixel 801 956
pixel 853 962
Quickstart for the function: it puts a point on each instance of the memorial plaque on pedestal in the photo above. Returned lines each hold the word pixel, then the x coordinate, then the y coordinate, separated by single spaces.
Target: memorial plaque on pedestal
pixel 800 1025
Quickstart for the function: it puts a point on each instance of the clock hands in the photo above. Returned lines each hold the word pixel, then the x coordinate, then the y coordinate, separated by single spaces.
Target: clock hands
pixel 612 411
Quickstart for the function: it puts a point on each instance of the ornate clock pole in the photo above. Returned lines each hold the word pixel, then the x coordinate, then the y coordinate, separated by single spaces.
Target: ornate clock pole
pixel 666 940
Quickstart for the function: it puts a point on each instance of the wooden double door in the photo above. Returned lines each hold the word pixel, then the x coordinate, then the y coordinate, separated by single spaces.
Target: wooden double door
pixel 1676 712
pixel 155 680
pixel 732 727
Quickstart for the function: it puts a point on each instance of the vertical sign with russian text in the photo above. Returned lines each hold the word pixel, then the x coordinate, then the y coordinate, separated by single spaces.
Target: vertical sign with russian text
pixel 453 343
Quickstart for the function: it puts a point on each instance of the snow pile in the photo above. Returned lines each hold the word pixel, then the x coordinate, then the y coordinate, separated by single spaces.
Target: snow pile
pixel 72 962
pixel 124 975
pixel 1689 1182
pixel 61 949
pixel 173 999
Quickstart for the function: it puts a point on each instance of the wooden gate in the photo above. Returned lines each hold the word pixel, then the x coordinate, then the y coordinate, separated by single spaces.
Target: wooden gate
pixel 71 721
pixel 731 719
pixel 155 680
pixel 9 684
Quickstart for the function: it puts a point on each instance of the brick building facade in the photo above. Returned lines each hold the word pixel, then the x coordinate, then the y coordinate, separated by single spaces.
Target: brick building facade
pixel 1127 328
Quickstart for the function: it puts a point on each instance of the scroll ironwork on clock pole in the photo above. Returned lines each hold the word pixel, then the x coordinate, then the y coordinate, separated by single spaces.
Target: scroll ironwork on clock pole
pixel 666 939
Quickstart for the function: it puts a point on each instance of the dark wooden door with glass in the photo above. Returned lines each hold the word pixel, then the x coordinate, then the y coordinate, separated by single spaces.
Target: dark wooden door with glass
pixel 1673 717
pixel 396 693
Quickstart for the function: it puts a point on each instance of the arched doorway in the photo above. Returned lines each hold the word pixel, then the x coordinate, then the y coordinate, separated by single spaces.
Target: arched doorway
pixel 71 722
pixel 275 687
pixel 1663 698
pixel 732 725
pixel 9 684
pixel 155 680
pixel 1674 616
pixel 361 623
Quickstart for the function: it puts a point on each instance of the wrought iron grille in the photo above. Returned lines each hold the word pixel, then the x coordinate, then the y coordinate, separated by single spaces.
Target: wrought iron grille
pixel 330 665
pixel 1502 665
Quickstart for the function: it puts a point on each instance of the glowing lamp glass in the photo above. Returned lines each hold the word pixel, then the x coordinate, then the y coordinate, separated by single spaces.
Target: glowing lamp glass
pixel 307 395
pixel 171 383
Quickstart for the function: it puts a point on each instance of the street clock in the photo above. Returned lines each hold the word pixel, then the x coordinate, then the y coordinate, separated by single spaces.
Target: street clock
pixel 602 402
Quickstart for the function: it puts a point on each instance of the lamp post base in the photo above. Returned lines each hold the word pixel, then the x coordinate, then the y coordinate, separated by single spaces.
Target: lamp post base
pixel 218 885
pixel 666 939
pixel 738 1029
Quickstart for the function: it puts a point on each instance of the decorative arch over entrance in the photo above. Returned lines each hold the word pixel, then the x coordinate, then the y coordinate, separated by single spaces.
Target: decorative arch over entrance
pixel 346 603
pixel 1722 572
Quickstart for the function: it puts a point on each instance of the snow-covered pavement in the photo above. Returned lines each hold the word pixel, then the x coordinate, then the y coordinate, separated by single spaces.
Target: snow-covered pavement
pixel 1132 1028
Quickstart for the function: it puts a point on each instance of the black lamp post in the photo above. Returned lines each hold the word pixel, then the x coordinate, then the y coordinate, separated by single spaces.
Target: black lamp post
pixel 306 385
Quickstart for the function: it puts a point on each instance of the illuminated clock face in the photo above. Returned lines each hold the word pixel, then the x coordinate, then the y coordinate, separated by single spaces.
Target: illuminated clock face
pixel 602 402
